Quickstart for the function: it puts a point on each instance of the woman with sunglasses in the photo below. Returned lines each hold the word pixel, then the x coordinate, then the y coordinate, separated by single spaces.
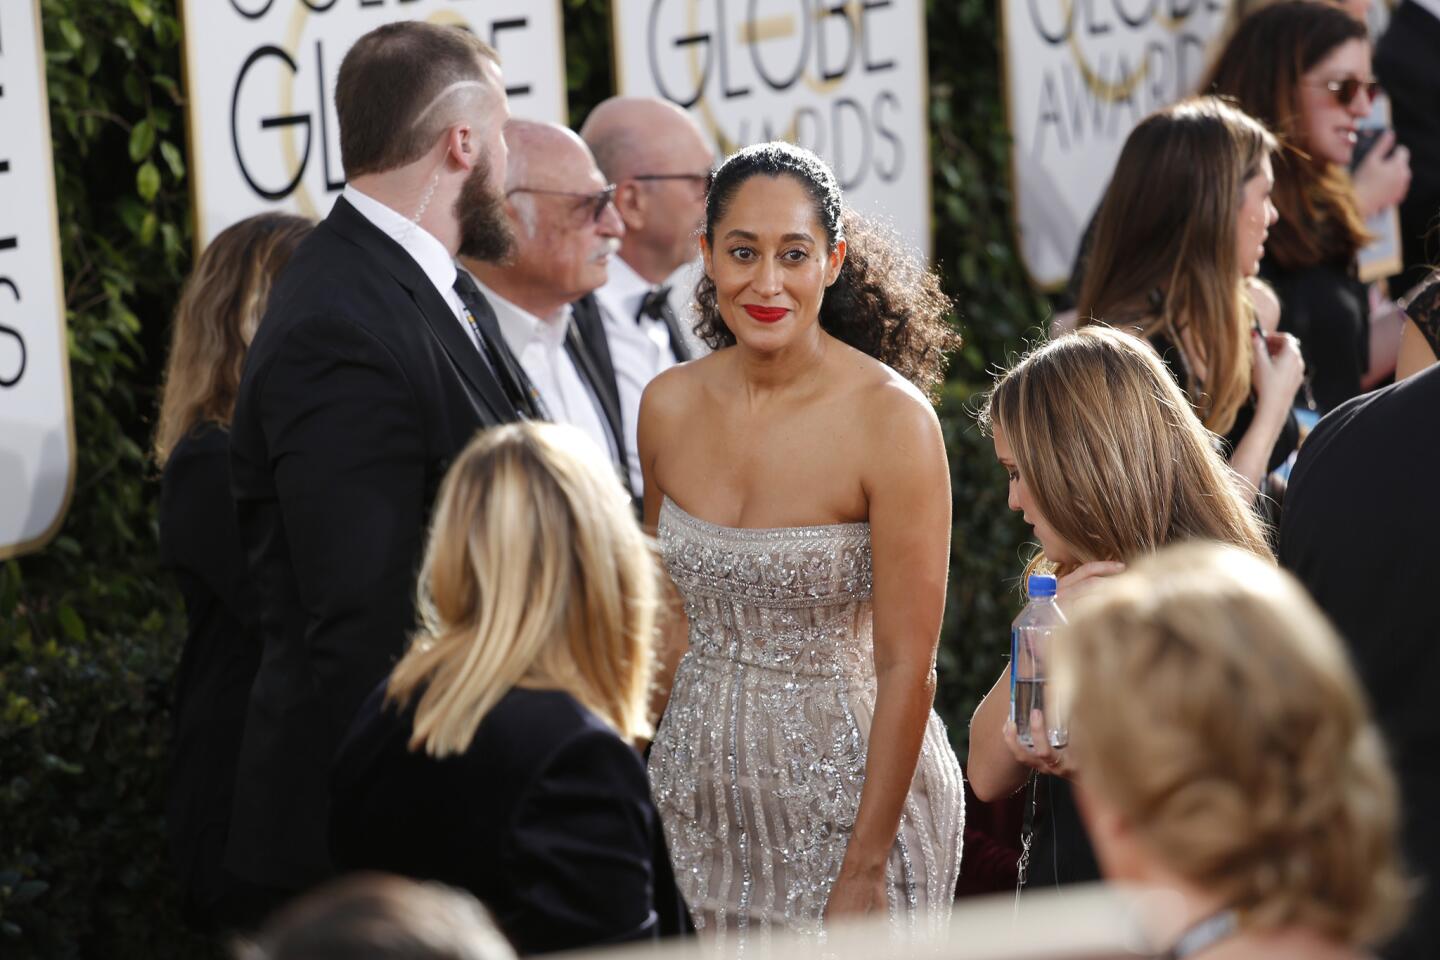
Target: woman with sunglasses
pixel 1303 68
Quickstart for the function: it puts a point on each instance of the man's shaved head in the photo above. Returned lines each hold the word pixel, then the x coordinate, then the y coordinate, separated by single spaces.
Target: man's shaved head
pixel 659 158
pixel 627 134
pixel 540 154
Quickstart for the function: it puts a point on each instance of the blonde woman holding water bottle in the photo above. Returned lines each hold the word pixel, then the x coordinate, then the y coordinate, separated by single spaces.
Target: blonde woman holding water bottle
pixel 1107 462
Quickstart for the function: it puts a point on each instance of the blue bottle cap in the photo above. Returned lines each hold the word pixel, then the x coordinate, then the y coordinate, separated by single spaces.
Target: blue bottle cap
pixel 1040 585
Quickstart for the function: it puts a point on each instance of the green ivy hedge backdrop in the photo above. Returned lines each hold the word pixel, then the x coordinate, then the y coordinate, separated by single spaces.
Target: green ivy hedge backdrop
pixel 90 627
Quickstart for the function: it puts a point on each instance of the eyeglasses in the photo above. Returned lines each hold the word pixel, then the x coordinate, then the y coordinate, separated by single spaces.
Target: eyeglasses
pixel 597 201
pixel 693 177
pixel 1344 91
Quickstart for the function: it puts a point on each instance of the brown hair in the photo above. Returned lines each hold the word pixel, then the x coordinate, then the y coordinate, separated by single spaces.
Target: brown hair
pixel 1164 257
pixel 1111 451
pixel 883 303
pixel 1260 68
pixel 536 574
pixel 219 311
pixel 380 917
pixel 1213 708
pixel 385 93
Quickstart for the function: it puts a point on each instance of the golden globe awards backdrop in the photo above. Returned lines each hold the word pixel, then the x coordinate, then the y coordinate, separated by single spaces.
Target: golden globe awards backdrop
pixel 846 80
pixel 1079 75
pixel 261 81
pixel 37 436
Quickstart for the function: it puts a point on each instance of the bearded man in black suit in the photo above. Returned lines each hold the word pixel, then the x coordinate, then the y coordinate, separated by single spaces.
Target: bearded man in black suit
pixel 368 374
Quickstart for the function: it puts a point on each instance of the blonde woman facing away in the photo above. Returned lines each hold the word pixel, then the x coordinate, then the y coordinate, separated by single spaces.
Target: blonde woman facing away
pixel 1230 759
pixel 1108 463
pixel 497 756
pixel 219 312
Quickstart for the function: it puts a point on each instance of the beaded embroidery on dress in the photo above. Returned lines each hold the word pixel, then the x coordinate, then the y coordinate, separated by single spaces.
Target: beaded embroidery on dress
pixel 758 763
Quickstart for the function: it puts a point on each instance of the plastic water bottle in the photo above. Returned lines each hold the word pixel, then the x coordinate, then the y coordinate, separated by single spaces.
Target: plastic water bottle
pixel 1030 637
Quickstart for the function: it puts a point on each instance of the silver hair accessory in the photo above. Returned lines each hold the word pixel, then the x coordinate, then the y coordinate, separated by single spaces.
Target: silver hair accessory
pixel 457 85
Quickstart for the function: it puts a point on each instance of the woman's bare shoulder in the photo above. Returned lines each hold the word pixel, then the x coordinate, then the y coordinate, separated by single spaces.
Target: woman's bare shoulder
pixel 674 391
pixel 887 400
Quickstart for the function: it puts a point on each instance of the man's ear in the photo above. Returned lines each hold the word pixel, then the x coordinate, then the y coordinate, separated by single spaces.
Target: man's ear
pixel 631 203
pixel 462 146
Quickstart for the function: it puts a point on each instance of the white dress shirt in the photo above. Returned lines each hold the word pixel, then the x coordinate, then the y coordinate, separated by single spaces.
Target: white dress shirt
pixel 1431 6
pixel 639 350
pixel 539 344
pixel 434 260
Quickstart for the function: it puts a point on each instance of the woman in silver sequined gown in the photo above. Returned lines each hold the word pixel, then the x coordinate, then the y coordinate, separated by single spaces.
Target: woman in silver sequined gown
pixel 804 636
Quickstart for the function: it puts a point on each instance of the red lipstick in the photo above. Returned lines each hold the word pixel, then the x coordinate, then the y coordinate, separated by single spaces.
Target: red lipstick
pixel 765 314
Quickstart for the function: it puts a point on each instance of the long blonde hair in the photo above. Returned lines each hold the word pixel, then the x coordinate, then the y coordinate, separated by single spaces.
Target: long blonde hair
pixel 536 574
pixel 1164 258
pixel 1111 451
pixel 217 316
pixel 1214 709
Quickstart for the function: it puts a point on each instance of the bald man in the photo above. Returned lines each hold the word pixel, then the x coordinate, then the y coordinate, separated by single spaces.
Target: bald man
pixel 659 161
pixel 567 232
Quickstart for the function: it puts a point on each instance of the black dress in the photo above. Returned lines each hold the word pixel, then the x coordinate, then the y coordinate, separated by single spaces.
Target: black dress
pixel 200 545
pixel 546 818
pixel 1328 309
pixel 1060 853
pixel 1285 444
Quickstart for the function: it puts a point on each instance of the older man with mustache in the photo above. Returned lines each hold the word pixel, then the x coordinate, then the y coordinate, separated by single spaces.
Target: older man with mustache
pixel 567 230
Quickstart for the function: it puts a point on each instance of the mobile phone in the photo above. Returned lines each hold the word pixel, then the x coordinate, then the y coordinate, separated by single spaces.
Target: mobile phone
pixel 1365 140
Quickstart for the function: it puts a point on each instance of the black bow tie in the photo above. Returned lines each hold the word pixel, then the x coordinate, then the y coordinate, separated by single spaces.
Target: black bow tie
pixel 655 304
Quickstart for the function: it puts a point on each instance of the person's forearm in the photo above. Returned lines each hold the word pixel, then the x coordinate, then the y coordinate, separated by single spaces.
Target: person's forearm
pixel 1251 457
pixel 1386 322
pixel 993 773
pixel 903 697
pixel 672 641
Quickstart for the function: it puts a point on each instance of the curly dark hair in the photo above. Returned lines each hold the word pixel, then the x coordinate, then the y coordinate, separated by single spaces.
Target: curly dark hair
pixel 883 303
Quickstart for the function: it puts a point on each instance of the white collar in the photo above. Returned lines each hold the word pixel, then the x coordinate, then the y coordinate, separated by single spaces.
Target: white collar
pixel 427 251
pixel 624 290
pixel 519 326
pixel 1431 7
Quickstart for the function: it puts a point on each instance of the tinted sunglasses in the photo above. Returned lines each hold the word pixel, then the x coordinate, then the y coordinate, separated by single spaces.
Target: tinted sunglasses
pixel 1344 91
pixel 597 201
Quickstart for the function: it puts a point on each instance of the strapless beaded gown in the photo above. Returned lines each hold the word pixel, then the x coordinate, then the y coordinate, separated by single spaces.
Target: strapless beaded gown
pixel 758 763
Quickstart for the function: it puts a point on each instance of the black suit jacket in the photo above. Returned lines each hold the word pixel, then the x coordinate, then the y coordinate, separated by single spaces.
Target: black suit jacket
pixel 359 389
pixel 589 350
pixel 1360 524
pixel 546 818
pixel 1407 61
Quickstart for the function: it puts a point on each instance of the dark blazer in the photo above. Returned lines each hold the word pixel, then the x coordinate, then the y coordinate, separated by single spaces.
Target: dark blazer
pixel 546 818
pixel 200 546
pixel 359 389
pixel 1359 529
pixel 589 350
pixel 1407 64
